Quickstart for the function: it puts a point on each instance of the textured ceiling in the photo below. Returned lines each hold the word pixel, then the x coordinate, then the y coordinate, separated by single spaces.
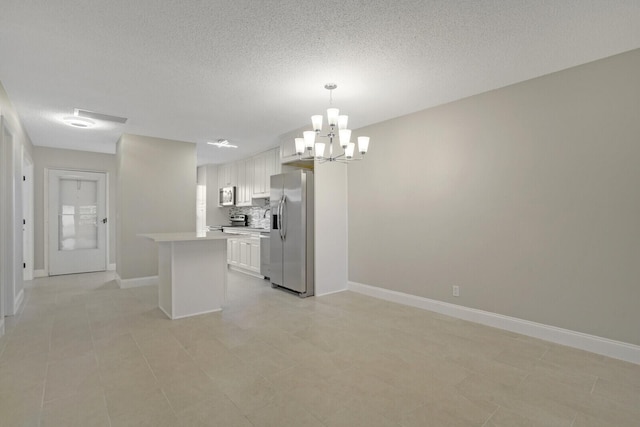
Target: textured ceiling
pixel 249 70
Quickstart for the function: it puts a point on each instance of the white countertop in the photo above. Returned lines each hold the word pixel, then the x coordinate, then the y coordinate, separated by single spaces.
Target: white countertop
pixel 246 229
pixel 186 236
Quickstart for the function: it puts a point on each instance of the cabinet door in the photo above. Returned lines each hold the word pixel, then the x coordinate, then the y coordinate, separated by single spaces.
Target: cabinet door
pixel 245 255
pixel 248 181
pixel 255 255
pixel 287 151
pixel 235 251
pixel 240 187
pixel 274 167
pixel 227 175
pixel 259 173
pixel 244 188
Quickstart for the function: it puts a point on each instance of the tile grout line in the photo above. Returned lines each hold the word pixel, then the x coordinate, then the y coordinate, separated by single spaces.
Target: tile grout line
pixel 154 375
pixel 95 355
pixel 593 387
pixel 491 416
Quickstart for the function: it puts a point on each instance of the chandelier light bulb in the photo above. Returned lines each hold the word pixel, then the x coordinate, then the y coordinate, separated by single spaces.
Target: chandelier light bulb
pixel 332 116
pixel 363 144
pixel 299 146
pixel 348 151
pixel 320 150
pixel 316 121
pixel 342 121
pixel 309 139
pixel 345 137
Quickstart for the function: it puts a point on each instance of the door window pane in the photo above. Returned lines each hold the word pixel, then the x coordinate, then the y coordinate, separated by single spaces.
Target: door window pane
pixel 78 220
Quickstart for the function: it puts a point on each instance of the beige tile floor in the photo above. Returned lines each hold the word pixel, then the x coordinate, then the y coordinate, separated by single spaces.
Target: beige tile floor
pixel 85 353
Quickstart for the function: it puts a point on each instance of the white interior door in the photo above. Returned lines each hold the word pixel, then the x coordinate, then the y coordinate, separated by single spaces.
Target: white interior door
pixel 77 222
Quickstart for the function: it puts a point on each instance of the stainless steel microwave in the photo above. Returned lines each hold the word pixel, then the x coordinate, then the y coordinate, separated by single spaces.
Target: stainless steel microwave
pixel 227 196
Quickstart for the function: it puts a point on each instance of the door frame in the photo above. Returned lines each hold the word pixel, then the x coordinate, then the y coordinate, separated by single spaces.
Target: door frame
pixel 28 238
pixel 11 239
pixel 46 211
pixel 5 250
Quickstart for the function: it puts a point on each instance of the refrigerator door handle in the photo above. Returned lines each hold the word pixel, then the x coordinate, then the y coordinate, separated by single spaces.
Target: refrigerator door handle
pixel 280 217
pixel 283 229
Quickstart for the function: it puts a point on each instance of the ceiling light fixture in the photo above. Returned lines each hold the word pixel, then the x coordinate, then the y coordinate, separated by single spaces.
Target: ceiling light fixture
pixel 79 122
pixel 337 127
pixel 222 143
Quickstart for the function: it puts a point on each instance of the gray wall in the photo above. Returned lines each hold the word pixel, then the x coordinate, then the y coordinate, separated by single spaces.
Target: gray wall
pixel 156 190
pixel 54 158
pixel 526 197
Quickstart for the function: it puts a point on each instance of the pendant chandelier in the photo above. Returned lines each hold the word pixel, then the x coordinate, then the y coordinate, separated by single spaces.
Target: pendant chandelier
pixel 308 149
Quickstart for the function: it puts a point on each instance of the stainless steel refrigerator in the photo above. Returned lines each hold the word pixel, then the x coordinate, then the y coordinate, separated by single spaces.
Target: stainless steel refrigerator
pixel 292 245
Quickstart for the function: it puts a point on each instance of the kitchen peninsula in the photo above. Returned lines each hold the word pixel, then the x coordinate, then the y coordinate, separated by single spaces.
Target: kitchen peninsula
pixel 192 272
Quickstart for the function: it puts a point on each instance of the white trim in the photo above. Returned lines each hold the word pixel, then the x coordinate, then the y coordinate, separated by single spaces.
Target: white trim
pixel 111 267
pixel 136 282
pixel 331 293
pixel 46 212
pixel 164 311
pixel 39 273
pixel 28 206
pixel 18 301
pixel 193 314
pixel 247 272
pixel 604 346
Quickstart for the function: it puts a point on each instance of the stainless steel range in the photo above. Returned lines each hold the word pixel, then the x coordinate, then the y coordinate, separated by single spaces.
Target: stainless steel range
pixel 239 220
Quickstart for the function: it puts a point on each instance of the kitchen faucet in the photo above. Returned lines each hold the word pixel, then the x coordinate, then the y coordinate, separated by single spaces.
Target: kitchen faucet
pixel 264 215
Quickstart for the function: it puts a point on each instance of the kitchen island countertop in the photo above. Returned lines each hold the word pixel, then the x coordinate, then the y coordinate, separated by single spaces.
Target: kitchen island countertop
pixel 186 236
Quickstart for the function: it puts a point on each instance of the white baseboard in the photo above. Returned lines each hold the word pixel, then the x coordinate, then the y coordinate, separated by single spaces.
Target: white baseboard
pixel 332 292
pixel 184 316
pixel 111 267
pixel 136 282
pixel 604 346
pixel 39 273
pixel 247 272
pixel 18 301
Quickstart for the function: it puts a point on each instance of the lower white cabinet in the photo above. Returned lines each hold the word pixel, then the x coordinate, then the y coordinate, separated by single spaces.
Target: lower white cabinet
pixel 244 253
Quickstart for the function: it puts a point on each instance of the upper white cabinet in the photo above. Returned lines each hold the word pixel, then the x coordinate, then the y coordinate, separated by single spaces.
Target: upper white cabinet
pixel 227 176
pixel 251 177
pixel 265 165
pixel 244 187
pixel 287 151
pixel 260 188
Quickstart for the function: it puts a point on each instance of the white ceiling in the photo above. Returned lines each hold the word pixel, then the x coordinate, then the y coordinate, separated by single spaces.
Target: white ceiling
pixel 250 71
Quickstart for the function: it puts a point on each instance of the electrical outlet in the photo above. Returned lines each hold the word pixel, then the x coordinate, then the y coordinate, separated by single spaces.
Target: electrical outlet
pixel 456 291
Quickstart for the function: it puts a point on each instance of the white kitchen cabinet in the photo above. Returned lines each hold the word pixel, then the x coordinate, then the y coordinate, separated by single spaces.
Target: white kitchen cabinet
pixel 254 263
pixel 233 251
pixel 243 254
pixel 265 165
pixel 251 177
pixel 259 175
pixel 244 188
pixel 287 152
pixel 227 176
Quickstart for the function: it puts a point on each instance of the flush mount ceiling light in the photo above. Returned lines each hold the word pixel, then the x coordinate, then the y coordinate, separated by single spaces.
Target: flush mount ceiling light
pixel 79 122
pixel 337 123
pixel 222 143
pixel 78 112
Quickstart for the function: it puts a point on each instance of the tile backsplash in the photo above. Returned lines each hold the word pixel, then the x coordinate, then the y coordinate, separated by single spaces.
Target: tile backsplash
pixel 255 214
